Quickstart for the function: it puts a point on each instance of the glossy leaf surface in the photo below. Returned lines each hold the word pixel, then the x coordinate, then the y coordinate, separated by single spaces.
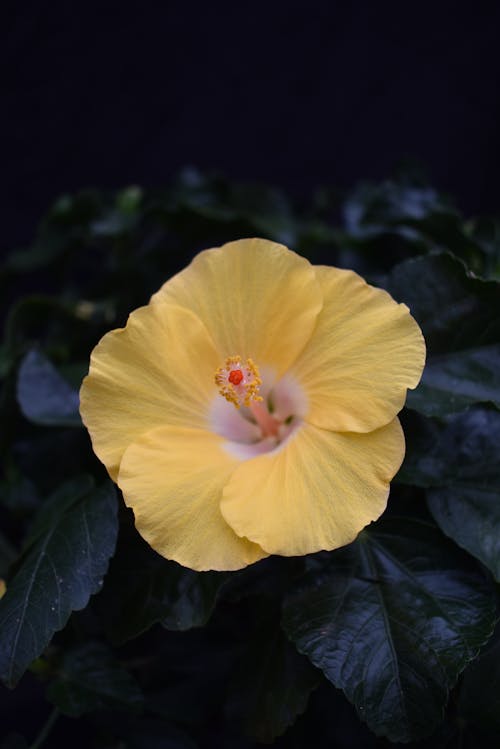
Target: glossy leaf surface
pixel 460 318
pixel 457 461
pixel 392 619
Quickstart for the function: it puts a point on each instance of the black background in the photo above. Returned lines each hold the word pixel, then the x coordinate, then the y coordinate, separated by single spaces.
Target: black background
pixel 297 94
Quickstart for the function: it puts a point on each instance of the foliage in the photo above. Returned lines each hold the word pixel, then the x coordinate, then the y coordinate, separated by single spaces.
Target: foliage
pixel 145 653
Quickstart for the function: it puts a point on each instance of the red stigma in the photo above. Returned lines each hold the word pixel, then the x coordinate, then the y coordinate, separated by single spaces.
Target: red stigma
pixel 235 376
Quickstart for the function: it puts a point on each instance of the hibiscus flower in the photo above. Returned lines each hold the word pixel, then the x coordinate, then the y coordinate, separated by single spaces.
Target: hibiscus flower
pixel 251 407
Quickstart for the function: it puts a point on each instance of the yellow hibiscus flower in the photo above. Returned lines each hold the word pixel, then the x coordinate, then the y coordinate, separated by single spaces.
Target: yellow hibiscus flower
pixel 250 408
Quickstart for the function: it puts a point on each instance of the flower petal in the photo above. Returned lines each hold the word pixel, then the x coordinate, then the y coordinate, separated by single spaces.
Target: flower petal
pixel 365 352
pixel 257 298
pixel 172 478
pixel 157 370
pixel 317 492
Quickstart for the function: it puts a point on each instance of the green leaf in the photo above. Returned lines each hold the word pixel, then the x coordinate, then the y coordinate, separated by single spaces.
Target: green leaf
pixel 43 320
pixel 272 684
pixel 485 231
pixel 392 619
pixel 43 395
pixel 66 557
pixel 188 597
pixel 471 516
pixel 390 220
pixel 122 217
pixel 62 231
pixel 209 201
pixel 460 318
pixel 90 678
pixel 372 209
pixel 457 461
pixel 480 691
pixel 143 588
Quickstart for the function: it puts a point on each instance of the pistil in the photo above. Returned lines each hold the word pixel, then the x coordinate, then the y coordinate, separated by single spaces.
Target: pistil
pixel 267 423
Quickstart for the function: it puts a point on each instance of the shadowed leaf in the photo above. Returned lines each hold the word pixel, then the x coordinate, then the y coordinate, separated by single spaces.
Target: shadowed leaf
pixel 44 396
pixel 89 678
pixel 457 461
pixel 143 589
pixel 480 691
pixel 392 619
pixel 63 564
pixel 272 683
pixel 460 318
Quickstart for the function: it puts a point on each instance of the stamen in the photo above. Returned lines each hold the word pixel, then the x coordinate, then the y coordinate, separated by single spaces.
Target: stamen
pixel 239 382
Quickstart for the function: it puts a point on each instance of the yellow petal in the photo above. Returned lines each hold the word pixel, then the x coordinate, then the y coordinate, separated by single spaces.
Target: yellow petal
pixel 365 352
pixel 172 478
pixel 315 493
pixel 157 370
pixel 257 298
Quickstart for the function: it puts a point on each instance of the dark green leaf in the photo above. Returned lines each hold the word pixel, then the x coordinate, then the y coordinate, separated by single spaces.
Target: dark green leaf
pixel 471 516
pixel 452 382
pixel 262 210
pixel 392 619
pixel 188 597
pixel 65 560
pixel 460 319
pixel 122 217
pixel 457 460
pixel 42 320
pixel 43 395
pixel 61 231
pixel 143 589
pixel 89 678
pixel 391 220
pixel 485 232
pixel 480 691
pixel 272 684
pixel 371 209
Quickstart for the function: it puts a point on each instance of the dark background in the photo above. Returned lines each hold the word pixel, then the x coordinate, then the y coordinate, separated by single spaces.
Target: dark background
pixel 297 94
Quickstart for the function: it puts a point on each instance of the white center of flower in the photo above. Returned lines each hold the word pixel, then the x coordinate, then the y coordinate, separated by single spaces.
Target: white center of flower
pixel 256 413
